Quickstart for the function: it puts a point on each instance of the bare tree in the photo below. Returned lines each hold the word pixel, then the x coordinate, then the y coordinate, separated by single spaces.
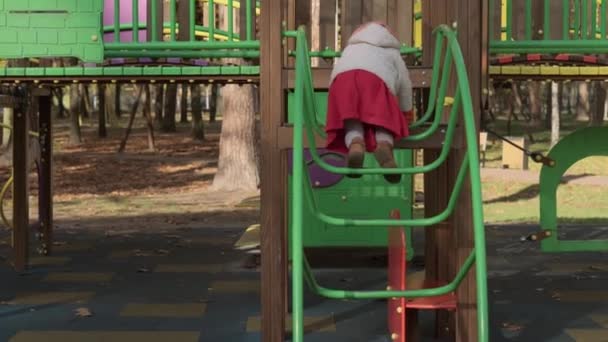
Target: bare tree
pixel 583 108
pixel 75 107
pixel 147 112
pixel 597 117
pixel 101 116
pixel 168 123
pixel 198 128
pixel 123 142
pixel 315 29
pixel 555 113
pixel 184 104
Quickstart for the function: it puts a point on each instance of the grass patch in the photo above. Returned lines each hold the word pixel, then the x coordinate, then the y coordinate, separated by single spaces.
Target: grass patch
pixel 542 142
pixel 510 202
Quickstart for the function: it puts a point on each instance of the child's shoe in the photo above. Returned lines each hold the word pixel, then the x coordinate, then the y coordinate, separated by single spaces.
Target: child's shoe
pixel 356 155
pixel 386 159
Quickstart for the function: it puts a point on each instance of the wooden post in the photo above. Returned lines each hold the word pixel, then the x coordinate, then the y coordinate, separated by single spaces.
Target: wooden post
pixel 183 20
pixel 159 20
pixel 20 190
pixel 45 174
pixel 273 233
pixel 450 243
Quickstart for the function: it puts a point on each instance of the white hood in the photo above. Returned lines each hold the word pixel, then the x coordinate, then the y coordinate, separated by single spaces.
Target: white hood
pixel 375 34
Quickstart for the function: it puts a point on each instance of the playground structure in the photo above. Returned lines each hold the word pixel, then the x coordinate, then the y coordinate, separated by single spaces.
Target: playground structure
pixel 177 47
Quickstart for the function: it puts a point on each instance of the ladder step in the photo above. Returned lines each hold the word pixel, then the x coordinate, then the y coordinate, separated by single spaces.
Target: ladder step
pixel 445 302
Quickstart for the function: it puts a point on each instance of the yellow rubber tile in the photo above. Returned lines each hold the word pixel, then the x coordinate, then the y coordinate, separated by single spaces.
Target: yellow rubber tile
pixel 601 320
pixel 236 286
pixel 583 296
pixel 189 268
pixel 49 261
pixel 44 298
pixel 311 324
pixel 79 277
pixel 106 336
pixel 588 335
pixel 164 310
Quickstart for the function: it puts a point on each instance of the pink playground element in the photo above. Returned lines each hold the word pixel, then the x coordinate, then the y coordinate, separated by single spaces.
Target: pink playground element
pixel 126 17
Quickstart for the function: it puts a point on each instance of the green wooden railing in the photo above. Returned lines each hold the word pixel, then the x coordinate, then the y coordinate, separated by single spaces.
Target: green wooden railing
pixel 582 27
pixel 305 123
pixel 230 44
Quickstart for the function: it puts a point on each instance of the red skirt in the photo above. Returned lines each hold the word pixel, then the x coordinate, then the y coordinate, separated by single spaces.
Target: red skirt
pixel 361 95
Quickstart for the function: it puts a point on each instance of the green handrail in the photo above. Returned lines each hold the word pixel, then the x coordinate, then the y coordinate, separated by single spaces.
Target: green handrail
pixel 583 22
pixel 304 104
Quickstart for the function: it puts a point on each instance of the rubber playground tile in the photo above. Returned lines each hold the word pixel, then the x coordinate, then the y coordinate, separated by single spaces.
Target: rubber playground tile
pixel 601 320
pixel 49 261
pixel 164 310
pixel 582 296
pixel 190 268
pixel 572 268
pixel 106 336
pixel 79 277
pixel 311 324
pixel 73 247
pixel 588 335
pixel 44 298
pixel 210 240
pixel 124 254
pixel 235 286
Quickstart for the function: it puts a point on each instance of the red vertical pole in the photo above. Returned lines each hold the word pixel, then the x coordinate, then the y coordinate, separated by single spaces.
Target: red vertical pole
pixel 396 280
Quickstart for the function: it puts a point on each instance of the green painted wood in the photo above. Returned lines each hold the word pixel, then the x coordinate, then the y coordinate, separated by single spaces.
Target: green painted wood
pixel 366 197
pixel 51 28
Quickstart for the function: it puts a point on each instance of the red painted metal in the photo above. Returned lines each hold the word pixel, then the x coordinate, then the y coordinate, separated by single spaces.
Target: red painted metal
pixel 397 267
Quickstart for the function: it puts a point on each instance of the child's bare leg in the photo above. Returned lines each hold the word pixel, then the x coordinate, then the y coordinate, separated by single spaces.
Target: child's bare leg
pixel 384 153
pixel 355 142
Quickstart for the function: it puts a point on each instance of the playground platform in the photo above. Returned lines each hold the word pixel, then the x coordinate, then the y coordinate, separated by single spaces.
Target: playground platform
pixel 192 285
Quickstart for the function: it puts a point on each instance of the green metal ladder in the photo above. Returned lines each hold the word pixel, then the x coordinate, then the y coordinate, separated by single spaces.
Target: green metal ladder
pixel 305 123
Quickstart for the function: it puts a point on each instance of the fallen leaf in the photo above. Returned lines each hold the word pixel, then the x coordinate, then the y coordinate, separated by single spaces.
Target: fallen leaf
pixel 512 326
pixel 83 312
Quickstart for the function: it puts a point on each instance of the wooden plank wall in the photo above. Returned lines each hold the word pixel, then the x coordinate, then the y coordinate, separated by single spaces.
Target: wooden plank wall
pixel 397 14
pixel 467 16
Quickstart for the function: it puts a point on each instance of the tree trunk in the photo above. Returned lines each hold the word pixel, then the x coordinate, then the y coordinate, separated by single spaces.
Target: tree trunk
pixel 86 102
pixel 315 29
pixel 75 102
pixel 168 124
pixel 149 120
pixel 117 106
pixel 597 119
pixel 583 107
pixel 213 102
pixel 7 119
pixel 184 104
pixel 101 115
pixel 60 108
pixel 555 113
pixel 159 103
pixel 110 106
pixel 84 113
pixel 237 165
pixel 535 103
pixel 123 143
pixel 198 128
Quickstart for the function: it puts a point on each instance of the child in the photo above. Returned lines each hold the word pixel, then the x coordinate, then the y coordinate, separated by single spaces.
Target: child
pixel 370 98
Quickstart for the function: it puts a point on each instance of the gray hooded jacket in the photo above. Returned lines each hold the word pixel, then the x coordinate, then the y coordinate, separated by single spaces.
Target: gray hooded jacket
pixel 376 50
